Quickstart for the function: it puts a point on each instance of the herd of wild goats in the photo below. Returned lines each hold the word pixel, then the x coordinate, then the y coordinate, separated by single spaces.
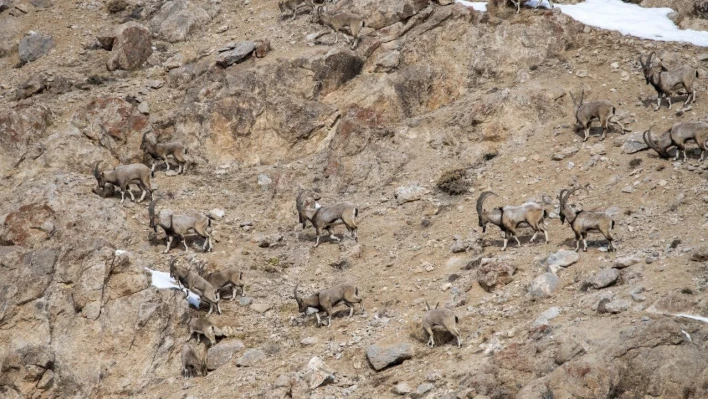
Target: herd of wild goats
pixel 508 218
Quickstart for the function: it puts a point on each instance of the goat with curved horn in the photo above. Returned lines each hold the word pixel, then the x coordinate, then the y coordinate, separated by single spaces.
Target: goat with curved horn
pixel 666 82
pixel 123 176
pixel 163 151
pixel 602 110
pixel 181 225
pixel 678 136
pixel 509 218
pixel 582 222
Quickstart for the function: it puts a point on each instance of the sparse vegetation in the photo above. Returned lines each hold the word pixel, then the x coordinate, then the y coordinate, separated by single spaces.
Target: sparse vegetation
pixel 454 182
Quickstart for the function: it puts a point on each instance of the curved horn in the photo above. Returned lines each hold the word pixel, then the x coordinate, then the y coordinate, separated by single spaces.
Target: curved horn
pixel 297 298
pixel 651 55
pixel 570 192
pixel 480 201
pixel 641 62
pixel 96 173
pixel 652 144
pixel 562 198
pixel 151 212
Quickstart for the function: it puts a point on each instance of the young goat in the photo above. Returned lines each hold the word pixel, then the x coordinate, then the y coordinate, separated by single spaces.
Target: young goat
pixel 508 218
pixel 677 137
pixel 294 6
pixel 583 222
pixel 666 82
pixel 326 217
pixel 337 22
pixel 585 113
pixel 123 176
pixel 326 300
pixel 180 225
pixel 195 283
pixel 228 278
pixel 161 151
pixel 440 317
pixel 202 326
pixel 194 360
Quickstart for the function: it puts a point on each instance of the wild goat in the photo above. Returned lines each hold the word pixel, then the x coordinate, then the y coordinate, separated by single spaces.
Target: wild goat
pixel 583 222
pixel 195 283
pixel 304 199
pixel 327 299
pixel 194 360
pixel 294 6
pixel 508 218
pixel 228 278
pixel 337 22
pixel 440 317
pixel 517 3
pixel 666 82
pixel 161 151
pixel 677 137
pixel 602 110
pixel 202 326
pixel 180 225
pixel 328 216
pixel 123 176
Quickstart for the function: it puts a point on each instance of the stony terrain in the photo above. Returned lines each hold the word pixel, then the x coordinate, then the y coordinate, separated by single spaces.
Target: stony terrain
pixel 433 90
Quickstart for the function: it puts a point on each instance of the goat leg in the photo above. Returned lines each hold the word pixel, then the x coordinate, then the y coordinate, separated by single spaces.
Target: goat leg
pixel 169 244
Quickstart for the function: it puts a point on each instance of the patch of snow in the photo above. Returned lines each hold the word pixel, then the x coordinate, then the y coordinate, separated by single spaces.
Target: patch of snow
pixel 163 281
pixel 690 316
pixel 477 5
pixel 119 252
pixel 626 18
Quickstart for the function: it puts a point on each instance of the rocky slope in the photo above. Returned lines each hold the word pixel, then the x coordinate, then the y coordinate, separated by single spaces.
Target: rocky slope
pixel 431 91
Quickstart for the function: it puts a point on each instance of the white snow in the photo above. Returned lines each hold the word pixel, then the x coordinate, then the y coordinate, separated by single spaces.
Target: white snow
pixel 163 281
pixel 690 316
pixel 477 5
pixel 626 18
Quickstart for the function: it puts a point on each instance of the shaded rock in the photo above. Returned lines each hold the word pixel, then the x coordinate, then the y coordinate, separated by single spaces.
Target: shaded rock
pixel 700 254
pixel 561 258
pixel 387 62
pixel 131 47
pixel 626 261
pixel 493 274
pixel 543 286
pixel 222 353
pixel 382 356
pixel 605 278
pixel 250 358
pixel 423 389
pixel 545 317
pixel 636 294
pixel 567 350
pixel 616 306
pixel 319 373
pixel 565 153
pixel 5 4
pixel 271 241
pixel 335 69
pixel 34 46
pixel 409 193
pixel 177 19
pixel 41 3
pixel 34 85
pixel 238 53
pixel 634 143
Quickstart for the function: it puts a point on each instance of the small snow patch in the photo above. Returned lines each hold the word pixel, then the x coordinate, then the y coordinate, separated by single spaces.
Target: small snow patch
pixel 690 316
pixel 163 281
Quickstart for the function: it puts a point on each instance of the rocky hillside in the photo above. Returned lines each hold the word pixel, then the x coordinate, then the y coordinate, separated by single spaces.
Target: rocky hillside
pixel 436 104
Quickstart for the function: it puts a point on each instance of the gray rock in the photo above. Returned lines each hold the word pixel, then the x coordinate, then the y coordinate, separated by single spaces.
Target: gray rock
pixel 217 214
pixel 382 356
pixel 271 241
pixel 388 61
pixel 636 294
pixel 634 143
pixel 700 254
pixel 605 278
pixel 565 153
pixel 545 317
pixel 628 189
pixel 261 307
pixel 245 301
pixel 144 108
pixel 543 286
pixel 617 306
pixel 131 47
pixel 561 258
pixel 319 373
pixel 423 389
pixel 264 180
pixel 5 4
pixel 626 261
pixel 250 358
pixel 493 274
pixel 222 353
pixel 409 193
pixel 177 19
pixel 402 389
pixel 41 3
pixel 308 341
pixel 236 55
pixel 34 46
pixel 34 85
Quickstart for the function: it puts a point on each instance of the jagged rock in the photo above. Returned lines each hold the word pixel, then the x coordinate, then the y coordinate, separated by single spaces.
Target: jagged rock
pixel 617 306
pixel 34 85
pixel 381 14
pixel 335 69
pixel 545 317
pixel 42 3
pixel 624 262
pixel 565 153
pixel 250 358
pixel 236 54
pixel 319 373
pixel 409 193
pixel 222 353
pixel 177 19
pixel 493 274
pixel 130 47
pixel 700 254
pixel 562 258
pixel 605 278
pixel 387 62
pixel 5 4
pixel 382 356
pixel 634 143
pixel 34 46
pixel 543 286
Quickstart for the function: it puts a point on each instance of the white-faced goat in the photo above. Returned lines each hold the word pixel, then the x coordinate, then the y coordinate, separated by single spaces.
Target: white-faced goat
pixel 666 82
pixel 224 279
pixel 123 176
pixel 509 218
pixel 440 317
pixel 194 360
pixel 583 222
pixel 517 3
pixel 202 326
pixel 338 22
pixel 677 137
pixel 328 216
pixel 162 151
pixel 181 225
pixel 326 300
pixel 294 6
pixel 195 283
pixel 603 111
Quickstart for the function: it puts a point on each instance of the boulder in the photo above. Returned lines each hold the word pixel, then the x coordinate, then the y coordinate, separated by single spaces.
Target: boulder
pixel 543 286
pixel 409 193
pixel 335 69
pixel 34 85
pixel 222 353
pixel 624 262
pixel 700 254
pixel 605 278
pixel 177 19
pixel 34 46
pixel 634 143
pixel 617 306
pixel 562 258
pixel 236 53
pixel 262 48
pixel 382 356
pixel 130 47
pixel 493 274
pixel 250 358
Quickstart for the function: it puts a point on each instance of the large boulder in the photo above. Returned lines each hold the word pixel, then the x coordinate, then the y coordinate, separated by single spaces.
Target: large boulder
pixel 382 356
pixel 543 286
pixel 493 274
pixel 335 69
pixel 605 278
pixel 177 19
pixel 21 127
pixel 34 46
pixel 131 47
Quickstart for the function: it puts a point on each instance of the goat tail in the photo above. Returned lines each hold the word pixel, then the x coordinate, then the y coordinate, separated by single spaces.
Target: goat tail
pixel 356 212
pixel 545 216
pixel 356 291
pixel 208 221
pixel 696 72
pixel 614 110
pixel 612 226
pixel 152 173
pixel 457 320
